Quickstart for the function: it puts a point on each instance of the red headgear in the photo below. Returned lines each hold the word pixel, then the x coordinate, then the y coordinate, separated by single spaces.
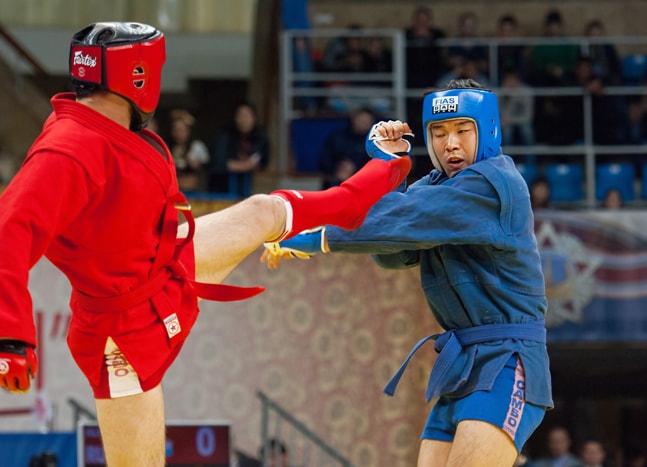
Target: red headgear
pixel 123 58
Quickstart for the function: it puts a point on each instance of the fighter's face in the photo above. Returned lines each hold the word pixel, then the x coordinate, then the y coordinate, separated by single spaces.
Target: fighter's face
pixel 454 142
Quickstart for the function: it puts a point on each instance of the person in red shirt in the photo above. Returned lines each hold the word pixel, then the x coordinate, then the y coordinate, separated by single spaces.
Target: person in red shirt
pixel 98 196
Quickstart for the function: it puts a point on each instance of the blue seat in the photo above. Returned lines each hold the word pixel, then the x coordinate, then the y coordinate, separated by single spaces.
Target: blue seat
pixel 566 182
pixel 528 171
pixel 308 136
pixel 634 68
pixel 619 176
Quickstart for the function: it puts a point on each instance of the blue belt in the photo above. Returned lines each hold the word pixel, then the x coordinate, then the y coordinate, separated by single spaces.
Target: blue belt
pixel 450 344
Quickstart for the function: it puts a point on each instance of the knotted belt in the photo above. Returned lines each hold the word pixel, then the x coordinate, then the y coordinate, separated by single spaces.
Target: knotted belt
pixel 167 266
pixel 449 346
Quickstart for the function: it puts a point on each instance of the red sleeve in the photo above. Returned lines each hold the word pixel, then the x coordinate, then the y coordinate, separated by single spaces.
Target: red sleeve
pixel 44 197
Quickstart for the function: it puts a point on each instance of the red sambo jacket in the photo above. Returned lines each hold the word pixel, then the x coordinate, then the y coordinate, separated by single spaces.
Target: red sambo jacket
pixel 98 200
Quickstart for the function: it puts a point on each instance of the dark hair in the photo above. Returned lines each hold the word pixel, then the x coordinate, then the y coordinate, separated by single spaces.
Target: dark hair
pixel 507 18
pixel 594 23
pixel 553 16
pixel 250 105
pixel 362 110
pixel 274 445
pixel 465 84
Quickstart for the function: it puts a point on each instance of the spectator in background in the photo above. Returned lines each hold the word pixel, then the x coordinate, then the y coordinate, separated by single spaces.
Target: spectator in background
pixel 343 153
pixel 517 107
pixel 190 154
pixel 633 129
pixel 238 457
pixel 551 65
pixel 559 448
pixel 605 108
pixel 345 54
pixel 593 454
pixel 463 69
pixel 378 56
pixel 603 55
pixel 511 56
pixel 277 453
pixel 540 194
pixel 238 151
pixel 349 54
pixel 636 457
pixel 467 51
pixel 612 199
pixel 425 60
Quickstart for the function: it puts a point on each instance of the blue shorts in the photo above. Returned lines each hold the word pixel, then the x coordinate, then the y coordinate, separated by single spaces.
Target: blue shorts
pixel 504 406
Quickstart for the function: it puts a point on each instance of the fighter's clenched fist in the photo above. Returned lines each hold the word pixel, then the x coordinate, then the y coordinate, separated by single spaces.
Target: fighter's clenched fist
pixel 18 365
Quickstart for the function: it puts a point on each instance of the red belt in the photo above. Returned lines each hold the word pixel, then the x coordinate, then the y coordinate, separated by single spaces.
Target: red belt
pixel 170 268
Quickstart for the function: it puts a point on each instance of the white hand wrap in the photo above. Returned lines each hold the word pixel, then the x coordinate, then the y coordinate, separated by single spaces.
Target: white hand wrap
pixel 374 150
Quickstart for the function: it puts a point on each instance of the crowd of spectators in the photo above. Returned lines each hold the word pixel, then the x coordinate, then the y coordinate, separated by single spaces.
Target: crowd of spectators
pixel 229 157
pixel 561 451
pixel 522 72
pixel 554 119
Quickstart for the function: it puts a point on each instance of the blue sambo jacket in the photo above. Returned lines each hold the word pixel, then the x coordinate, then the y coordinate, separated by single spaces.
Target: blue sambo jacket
pixel 473 238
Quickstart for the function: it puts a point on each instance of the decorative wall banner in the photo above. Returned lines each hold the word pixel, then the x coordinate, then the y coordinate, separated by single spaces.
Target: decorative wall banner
pixel 595 264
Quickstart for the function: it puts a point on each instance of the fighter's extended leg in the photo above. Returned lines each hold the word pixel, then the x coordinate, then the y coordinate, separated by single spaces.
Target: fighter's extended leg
pixel 345 206
pixel 224 238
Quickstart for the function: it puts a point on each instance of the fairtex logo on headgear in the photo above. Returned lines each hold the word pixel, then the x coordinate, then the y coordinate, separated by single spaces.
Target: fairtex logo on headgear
pixel 444 104
pixel 86 63
pixel 84 60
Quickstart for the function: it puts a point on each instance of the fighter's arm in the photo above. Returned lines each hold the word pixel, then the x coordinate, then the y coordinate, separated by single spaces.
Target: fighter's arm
pixel 303 246
pixel 40 202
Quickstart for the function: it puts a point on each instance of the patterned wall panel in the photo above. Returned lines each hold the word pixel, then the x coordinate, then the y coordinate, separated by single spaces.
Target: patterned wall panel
pixel 321 341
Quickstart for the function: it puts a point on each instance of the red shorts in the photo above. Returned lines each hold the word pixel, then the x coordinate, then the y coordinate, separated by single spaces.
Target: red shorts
pixel 139 344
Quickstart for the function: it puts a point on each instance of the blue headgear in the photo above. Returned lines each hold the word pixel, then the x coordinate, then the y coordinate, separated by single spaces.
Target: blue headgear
pixel 479 105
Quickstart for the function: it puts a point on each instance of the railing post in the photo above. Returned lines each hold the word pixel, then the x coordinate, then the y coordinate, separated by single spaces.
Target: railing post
pixel 265 420
pixel 284 416
pixel 589 155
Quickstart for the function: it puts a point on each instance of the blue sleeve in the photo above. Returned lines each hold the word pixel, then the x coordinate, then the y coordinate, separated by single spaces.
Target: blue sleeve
pixel 473 207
